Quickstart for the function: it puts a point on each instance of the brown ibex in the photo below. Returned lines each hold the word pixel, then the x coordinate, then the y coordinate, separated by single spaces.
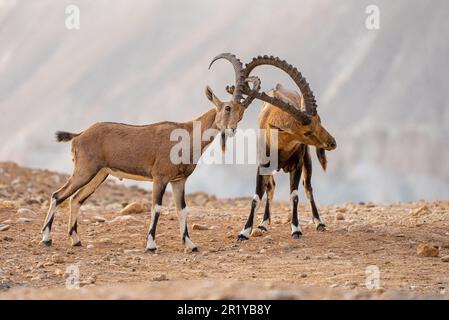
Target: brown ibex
pixel 143 153
pixel 293 139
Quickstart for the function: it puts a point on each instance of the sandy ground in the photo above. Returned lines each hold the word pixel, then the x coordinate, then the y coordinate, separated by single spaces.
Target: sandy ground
pixel 113 264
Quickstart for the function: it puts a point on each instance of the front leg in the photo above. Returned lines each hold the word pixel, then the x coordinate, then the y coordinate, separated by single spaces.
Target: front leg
pixel 295 176
pixel 158 194
pixel 270 186
pixel 180 202
pixel 260 190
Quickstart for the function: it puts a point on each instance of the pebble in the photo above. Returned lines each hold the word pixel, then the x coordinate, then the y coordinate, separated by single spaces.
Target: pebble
pixel 262 251
pixel 445 259
pixel 124 219
pixel 99 219
pixel 421 211
pixel 257 232
pixel 268 239
pixel 199 227
pixel 303 275
pixel 56 258
pixel 25 211
pixel 24 220
pixel 4 227
pixel 425 250
pixel 161 277
pixel 59 272
pixel 339 216
pixel 90 246
pixel 135 207
pixel 131 251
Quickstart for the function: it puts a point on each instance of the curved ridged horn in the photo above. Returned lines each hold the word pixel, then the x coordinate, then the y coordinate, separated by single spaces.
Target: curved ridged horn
pixel 256 86
pixel 296 76
pixel 239 77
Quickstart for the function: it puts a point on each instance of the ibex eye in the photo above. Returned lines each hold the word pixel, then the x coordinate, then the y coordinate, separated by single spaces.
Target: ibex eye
pixel 228 109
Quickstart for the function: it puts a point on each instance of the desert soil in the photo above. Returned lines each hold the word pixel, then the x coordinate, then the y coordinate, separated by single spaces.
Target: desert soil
pixel 112 262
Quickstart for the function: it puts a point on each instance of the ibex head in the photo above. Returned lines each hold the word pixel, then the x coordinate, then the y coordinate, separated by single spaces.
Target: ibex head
pixel 229 113
pixel 300 117
pixel 312 134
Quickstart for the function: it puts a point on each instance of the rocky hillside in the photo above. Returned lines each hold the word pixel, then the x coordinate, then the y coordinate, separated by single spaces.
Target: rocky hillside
pixel 408 243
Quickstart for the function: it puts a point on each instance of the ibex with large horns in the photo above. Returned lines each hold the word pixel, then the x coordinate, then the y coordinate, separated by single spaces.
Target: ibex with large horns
pixel 143 153
pixel 294 136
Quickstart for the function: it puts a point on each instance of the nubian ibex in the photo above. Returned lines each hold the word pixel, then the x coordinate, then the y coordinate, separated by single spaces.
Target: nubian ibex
pixel 143 153
pixel 294 137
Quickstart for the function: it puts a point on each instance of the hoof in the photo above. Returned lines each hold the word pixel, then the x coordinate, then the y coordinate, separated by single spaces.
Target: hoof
pixel 151 250
pixel 242 237
pixel 296 234
pixel 47 243
pixel 262 228
pixel 195 249
pixel 77 244
pixel 321 227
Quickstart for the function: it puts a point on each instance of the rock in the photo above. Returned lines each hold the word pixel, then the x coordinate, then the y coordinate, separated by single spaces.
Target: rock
pixel 56 258
pixel 105 240
pixel 99 219
pixel 59 272
pixel 303 275
pixel 123 219
pixel 262 251
pixel 421 211
pixel 7 204
pixel 445 259
pixel 131 251
pixel 268 239
pixel 342 210
pixel 24 220
pixel 135 207
pixel 425 250
pixel 200 227
pixel 339 216
pixel 40 264
pixel 90 246
pixel 161 277
pixel 4 227
pixel 25 211
pixel 257 232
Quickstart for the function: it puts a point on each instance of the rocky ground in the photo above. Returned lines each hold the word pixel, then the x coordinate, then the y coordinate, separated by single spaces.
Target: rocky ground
pixel 408 243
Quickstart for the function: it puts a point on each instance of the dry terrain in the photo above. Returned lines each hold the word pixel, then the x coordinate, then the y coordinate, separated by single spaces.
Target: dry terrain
pixel 113 264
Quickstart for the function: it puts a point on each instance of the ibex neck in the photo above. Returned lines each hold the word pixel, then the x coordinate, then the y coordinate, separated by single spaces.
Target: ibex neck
pixel 207 121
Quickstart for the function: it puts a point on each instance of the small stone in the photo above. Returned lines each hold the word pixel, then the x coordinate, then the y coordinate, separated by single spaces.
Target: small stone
pixel 161 277
pixel 99 219
pixel 342 210
pixel 59 272
pixel 7 204
pixel 339 216
pixel 56 258
pixel 425 250
pixel 268 239
pixel 124 219
pixel 4 227
pixel 303 275
pixel 132 251
pixel 105 240
pixel 40 264
pixel 24 220
pixel 421 211
pixel 257 232
pixel 135 207
pixel 262 251
pixel 200 227
pixel 445 259
pixel 25 211
pixel 90 246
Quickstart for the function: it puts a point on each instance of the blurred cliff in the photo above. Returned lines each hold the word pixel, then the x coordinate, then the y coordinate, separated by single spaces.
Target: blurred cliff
pixel 381 93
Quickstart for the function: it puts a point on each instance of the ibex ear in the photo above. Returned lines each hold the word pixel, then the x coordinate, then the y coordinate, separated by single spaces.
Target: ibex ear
pixel 213 98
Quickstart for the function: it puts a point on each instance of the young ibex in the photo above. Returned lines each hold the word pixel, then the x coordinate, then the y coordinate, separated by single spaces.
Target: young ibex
pixel 293 140
pixel 140 153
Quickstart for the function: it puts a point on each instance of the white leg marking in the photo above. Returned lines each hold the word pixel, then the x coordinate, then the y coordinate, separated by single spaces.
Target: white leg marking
pixel 293 194
pixel 182 228
pixel 264 224
pixel 46 235
pixel 246 232
pixel 256 197
pixel 296 228
pixel 74 238
pixel 151 244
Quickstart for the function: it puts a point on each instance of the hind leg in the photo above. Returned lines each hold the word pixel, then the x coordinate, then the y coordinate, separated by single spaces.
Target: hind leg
pixel 76 202
pixel 78 180
pixel 295 176
pixel 158 193
pixel 307 182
